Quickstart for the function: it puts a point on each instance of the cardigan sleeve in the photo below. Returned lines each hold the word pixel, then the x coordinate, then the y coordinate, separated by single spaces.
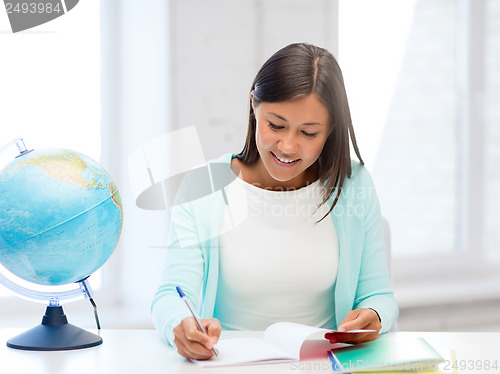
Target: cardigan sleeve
pixel 184 267
pixel 374 289
pixel 190 262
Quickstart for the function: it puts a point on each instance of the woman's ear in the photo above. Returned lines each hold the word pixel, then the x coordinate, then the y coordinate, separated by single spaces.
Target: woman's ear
pixel 251 101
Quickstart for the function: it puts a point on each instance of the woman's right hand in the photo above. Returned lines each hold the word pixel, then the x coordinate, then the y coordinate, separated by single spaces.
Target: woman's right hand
pixel 192 343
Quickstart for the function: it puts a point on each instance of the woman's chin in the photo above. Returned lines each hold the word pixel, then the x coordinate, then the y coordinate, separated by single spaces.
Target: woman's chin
pixel 282 177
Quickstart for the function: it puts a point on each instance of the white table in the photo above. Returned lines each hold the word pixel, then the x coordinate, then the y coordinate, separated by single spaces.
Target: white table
pixel 142 351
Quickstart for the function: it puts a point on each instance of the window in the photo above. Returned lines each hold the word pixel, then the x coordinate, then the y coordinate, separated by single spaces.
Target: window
pixel 416 73
pixel 491 79
pixel 50 90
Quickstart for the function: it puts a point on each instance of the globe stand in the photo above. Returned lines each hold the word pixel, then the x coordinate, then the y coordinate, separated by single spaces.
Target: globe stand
pixel 54 334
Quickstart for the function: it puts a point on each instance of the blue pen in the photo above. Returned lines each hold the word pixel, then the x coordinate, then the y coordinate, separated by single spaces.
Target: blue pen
pixel 183 297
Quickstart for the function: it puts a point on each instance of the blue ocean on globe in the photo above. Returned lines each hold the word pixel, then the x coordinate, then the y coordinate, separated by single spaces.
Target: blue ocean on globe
pixel 60 216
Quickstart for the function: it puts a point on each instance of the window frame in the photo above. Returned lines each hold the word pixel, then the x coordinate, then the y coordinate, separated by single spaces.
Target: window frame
pixel 469 261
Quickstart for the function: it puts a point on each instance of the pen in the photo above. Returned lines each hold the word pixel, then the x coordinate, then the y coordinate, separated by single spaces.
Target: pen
pixel 200 327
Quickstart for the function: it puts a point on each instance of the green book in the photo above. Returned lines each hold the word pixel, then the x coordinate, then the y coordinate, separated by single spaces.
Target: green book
pixel 392 353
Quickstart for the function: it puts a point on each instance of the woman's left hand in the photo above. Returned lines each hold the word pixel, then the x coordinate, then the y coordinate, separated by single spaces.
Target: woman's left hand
pixel 362 318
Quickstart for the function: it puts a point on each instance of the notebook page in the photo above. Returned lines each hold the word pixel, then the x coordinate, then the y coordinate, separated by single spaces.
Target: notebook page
pixel 245 351
pixel 290 336
pixel 282 342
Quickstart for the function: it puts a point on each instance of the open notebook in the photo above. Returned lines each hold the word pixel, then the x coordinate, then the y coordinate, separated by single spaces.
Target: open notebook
pixel 281 342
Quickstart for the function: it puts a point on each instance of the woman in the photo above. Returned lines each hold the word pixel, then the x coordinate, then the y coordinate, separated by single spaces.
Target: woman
pixel 295 234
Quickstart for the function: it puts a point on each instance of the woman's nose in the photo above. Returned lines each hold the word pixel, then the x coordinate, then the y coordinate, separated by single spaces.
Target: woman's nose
pixel 288 144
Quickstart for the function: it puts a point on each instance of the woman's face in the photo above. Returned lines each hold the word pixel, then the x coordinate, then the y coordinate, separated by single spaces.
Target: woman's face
pixel 290 136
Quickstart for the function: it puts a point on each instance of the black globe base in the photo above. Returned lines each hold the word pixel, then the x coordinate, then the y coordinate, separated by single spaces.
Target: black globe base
pixel 54 334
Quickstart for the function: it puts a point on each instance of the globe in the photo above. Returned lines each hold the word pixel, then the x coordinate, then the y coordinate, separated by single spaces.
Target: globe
pixel 60 220
pixel 60 216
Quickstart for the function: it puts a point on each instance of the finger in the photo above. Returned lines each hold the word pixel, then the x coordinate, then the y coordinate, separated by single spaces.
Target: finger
pixel 369 319
pixel 353 325
pixel 331 337
pixel 213 329
pixel 362 319
pixel 193 333
pixel 182 349
pixel 334 338
pixel 351 316
pixel 192 350
pixel 349 338
pixel 356 338
pixel 192 342
pixel 357 319
pixel 189 348
pixel 196 336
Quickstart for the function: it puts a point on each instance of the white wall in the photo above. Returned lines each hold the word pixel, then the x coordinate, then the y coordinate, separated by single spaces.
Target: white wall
pixel 218 47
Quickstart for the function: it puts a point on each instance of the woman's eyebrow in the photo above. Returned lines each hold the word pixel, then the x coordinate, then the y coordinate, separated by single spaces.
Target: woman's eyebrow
pixel 284 119
pixel 280 117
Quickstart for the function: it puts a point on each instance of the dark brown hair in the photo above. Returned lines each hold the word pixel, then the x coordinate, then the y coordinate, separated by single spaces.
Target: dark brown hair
pixel 298 70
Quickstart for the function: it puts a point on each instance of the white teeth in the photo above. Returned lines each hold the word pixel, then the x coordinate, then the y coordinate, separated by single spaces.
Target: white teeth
pixel 284 159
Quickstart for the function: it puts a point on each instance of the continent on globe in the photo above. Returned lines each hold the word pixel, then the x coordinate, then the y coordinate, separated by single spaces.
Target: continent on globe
pixel 60 216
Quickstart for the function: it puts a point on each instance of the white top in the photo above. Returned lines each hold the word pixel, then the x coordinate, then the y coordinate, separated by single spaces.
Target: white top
pixel 276 262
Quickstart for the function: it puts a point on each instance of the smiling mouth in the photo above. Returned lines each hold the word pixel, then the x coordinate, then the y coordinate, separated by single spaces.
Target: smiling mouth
pixel 285 160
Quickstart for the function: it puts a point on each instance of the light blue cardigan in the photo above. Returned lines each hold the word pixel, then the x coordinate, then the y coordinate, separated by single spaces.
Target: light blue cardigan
pixel 192 258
